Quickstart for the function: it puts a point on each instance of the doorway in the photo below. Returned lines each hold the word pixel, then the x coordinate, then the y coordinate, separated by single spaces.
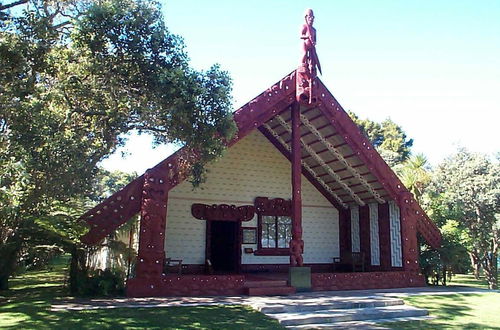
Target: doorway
pixel 223 248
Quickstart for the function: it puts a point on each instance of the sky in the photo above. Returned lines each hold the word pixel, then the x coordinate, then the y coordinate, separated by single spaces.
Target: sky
pixel 432 66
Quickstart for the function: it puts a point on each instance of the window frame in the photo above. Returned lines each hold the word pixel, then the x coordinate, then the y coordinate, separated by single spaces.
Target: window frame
pixel 275 251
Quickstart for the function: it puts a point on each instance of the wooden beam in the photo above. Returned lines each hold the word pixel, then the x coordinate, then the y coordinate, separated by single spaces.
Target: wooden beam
pixel 308 171
pixel 321 161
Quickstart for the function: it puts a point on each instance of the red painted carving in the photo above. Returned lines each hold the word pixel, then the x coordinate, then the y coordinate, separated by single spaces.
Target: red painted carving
pixel 408 232
pixel 296 252
pixel 276 206
pixel 296 244
pixel 307 70
pixel 223 212
pixel 151 254
pixel 113 212
pixel 265 106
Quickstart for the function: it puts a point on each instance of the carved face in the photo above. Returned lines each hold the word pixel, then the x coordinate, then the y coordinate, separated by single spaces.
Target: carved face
pixel 309 16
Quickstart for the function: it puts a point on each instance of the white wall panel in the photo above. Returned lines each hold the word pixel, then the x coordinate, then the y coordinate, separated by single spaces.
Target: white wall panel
pixel 355 240
pixel 395 226
pixel 252 167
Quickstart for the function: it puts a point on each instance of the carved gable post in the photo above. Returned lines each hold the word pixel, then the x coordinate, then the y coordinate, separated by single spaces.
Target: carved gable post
pixel 296 244
pixel 409 232
pixel 151 254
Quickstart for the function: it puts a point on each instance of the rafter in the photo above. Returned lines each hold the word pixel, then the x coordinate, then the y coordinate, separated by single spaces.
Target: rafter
pixel 320 181
pixel 322 162
pixel 341 158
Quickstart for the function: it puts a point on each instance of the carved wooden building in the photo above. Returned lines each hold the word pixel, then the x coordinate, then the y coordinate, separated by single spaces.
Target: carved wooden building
pixel 300 191
pixel 241 221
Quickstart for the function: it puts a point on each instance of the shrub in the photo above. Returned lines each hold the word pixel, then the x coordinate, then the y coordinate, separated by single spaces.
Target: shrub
pixel 109 282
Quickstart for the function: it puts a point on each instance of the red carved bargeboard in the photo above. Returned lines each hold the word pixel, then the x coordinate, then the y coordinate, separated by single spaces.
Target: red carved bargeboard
pixel 274 206
pixel 187 285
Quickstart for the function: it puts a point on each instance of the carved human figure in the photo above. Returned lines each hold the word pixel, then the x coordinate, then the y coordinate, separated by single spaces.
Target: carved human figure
pixel 308 35
pixel 296 250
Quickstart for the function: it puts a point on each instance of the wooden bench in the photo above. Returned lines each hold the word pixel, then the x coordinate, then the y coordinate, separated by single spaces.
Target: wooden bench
pixel 352 261
pixel 172 263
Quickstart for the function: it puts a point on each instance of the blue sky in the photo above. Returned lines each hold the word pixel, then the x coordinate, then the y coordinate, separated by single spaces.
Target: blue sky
pixel 431 66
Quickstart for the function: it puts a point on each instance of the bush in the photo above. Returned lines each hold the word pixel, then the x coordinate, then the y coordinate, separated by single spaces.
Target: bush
pixel 100 283
pixel 37 257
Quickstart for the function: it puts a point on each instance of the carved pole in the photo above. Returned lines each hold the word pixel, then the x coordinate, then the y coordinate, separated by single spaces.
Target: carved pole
pixel 151 254
pixel 297 244
pixel 409 233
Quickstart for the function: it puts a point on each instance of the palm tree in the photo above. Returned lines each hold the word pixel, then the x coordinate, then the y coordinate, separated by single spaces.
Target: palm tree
pixel 414 174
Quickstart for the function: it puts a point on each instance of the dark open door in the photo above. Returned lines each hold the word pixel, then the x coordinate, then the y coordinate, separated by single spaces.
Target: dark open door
pixel 223 246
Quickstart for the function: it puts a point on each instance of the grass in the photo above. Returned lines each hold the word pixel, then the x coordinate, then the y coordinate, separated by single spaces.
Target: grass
pixel 458 311
pixel 27 306
pixel 469 280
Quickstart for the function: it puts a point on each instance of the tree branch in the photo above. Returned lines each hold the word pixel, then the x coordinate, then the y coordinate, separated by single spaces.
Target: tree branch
pixel 148 128
pixel 13 4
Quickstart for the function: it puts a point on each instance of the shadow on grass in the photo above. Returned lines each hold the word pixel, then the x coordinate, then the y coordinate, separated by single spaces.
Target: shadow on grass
pixel 27 306
pixel 469 280
pixel 458 311
pixel 442 325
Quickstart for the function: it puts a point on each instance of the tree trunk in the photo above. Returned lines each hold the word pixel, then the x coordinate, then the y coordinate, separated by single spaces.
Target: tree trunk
pixel 4 282
pixel 9 251
pixel 476 264
pixel 490 270
pixel 77 270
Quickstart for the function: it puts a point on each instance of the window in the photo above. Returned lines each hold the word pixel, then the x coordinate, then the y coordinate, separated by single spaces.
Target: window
pixel 274 218
pixel 275 231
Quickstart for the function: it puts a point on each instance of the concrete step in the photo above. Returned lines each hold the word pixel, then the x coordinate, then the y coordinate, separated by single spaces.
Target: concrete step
pixel 271 291
pixel 358 325
pixel 328 305
pixel 345 315
pixel 265 283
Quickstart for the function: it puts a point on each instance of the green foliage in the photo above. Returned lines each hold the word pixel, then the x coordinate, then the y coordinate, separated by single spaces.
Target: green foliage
pixel 465 188
pixel 109 282
pixel 75 76
pixel 387 137
pixel 453 250
pixel 39 256
pixel 414 173
pixel 438 266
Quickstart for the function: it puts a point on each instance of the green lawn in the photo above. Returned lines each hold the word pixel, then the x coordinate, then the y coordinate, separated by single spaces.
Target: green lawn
pixel 458 311
pixel 469 280
pixel 27 306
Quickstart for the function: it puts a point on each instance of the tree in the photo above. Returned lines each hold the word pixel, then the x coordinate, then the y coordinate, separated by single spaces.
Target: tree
pixel 75 76
pixel 467 187
pixel 387 137
pixel 414 173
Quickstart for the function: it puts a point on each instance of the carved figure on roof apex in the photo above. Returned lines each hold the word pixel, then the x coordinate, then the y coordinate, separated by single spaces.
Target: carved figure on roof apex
pixel 309 62
pixel 308 35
